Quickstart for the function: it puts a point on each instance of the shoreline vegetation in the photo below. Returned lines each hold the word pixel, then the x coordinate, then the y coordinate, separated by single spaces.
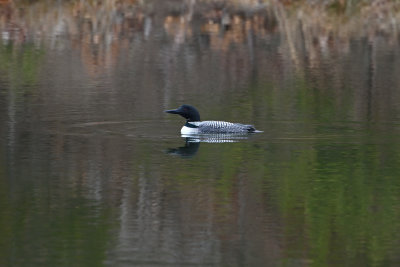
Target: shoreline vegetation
pixel 305 27
pixel 303 23
pixel 319 21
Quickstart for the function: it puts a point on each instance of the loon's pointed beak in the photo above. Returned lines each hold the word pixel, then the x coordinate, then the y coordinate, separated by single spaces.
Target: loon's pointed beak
pixel 173 111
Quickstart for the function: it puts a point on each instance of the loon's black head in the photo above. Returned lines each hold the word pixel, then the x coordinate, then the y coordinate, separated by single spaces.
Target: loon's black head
pixel 190 113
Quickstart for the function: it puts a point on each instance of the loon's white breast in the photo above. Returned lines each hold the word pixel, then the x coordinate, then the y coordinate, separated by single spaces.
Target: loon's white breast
pixel 189 130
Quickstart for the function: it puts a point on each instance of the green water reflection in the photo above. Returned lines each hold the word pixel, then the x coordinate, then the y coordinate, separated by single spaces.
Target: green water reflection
pixel 92 171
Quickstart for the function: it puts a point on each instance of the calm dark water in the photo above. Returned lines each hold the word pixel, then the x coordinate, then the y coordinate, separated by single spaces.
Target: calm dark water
pixel 92 172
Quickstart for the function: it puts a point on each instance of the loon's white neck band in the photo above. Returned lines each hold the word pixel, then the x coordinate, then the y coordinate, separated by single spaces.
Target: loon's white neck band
pixel 191 124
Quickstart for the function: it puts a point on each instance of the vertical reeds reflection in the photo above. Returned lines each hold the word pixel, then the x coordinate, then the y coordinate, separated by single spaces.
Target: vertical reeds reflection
pixel 82 88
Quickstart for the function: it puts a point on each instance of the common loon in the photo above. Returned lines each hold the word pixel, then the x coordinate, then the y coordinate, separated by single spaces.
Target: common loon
pixel 195 126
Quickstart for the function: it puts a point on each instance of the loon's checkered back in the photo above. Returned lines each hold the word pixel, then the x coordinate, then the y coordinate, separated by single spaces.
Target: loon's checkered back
pixel 224 127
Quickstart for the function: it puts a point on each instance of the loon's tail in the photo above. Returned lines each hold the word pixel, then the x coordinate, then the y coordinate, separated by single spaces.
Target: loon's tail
pixel 251 129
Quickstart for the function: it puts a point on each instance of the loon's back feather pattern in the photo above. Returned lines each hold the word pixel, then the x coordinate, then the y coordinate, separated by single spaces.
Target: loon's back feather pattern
pixel 223 127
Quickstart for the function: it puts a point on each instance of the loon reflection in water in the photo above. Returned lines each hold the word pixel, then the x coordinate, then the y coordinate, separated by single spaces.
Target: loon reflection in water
pixel 192 143
pixel 186 151
pixel 215 138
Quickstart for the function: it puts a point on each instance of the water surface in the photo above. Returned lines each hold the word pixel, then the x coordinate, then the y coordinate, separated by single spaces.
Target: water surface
pixel 93 172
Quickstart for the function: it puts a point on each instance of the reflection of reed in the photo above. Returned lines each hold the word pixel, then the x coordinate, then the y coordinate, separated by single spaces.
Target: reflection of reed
pixel 100 29
pixel 267 40
pixel 238 43
pixel 106 33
